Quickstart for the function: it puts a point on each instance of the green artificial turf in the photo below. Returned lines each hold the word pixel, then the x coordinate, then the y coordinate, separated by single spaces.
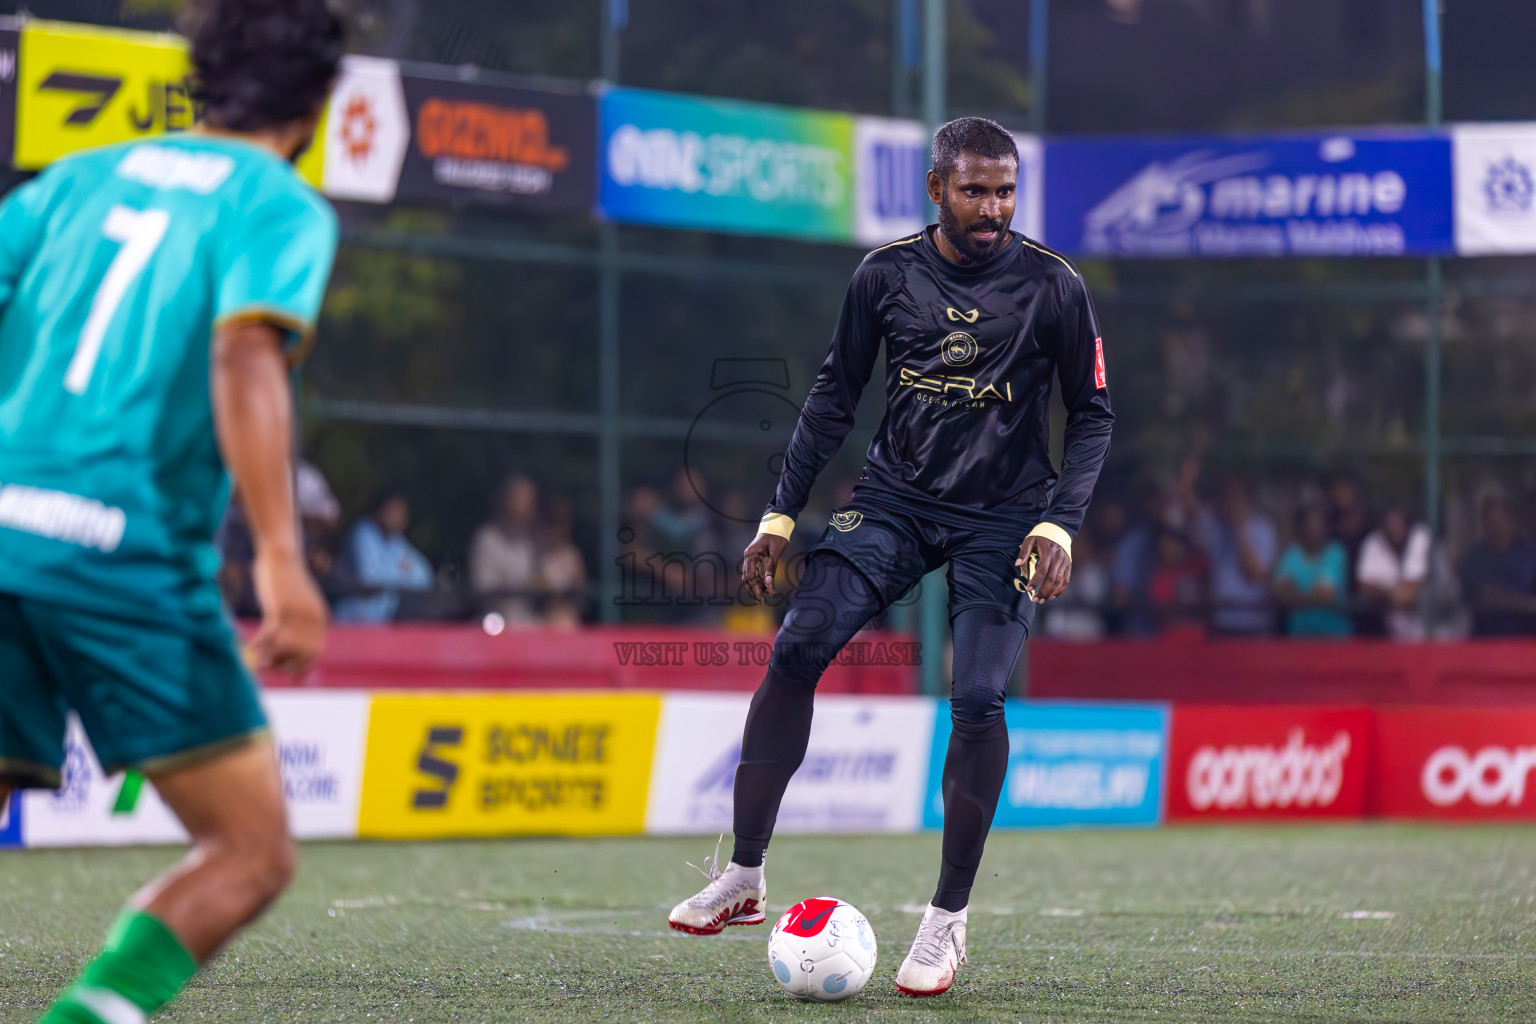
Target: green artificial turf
pixel 1264 924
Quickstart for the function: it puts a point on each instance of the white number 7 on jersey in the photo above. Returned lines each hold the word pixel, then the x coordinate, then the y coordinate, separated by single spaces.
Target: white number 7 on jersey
pixel 140 232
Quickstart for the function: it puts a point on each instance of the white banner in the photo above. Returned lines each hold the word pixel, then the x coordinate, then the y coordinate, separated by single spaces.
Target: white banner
pixel 865 770
pixel 367 131
pixel 891 162
pixel 1495 188
pixel 320 738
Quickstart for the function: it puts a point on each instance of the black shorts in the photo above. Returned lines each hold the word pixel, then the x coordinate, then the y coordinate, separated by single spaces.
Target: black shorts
pixel 894 550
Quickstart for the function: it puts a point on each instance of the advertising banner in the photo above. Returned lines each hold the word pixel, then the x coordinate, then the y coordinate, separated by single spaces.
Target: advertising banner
pixel 1248 762
pixel 863 772
pixel 526 149
pixel 1069 764
pixel 891 160
pixel 80 86
pixel 1323 195
pixel 516 765
pixel 367 132
pixel 1495 172
pixel 10 823
pixel 320 739
pixel 686 161
pixel 1456 763
pixel 10 45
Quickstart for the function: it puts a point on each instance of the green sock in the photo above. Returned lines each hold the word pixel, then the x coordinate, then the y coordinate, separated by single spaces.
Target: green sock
pixel 140 969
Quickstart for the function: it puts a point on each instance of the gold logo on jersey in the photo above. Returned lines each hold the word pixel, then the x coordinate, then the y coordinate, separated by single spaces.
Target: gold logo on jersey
pixel 968 317
pixel 960 388
pixel 959 349
pixel 845 521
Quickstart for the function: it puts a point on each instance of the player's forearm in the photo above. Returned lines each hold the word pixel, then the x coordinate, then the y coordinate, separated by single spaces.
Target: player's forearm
pixel 253 415
pixel 818 435
pixel 1084 451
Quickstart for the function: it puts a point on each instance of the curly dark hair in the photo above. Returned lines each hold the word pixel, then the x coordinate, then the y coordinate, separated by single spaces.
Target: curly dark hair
pixel 970 135
pixel 261 63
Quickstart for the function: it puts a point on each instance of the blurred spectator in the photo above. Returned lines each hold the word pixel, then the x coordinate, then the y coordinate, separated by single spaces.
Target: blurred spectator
pixel 683 523
pixel 562 571
pixel 1176 589
pixel 1240 543
pixel 1498 574
pixel 1390 572
pixel 1076 614
pixel 504 555
pixel 1135 556
pixel 1312 578
pixel 1348 518
pixel 380 563
pixel 319 514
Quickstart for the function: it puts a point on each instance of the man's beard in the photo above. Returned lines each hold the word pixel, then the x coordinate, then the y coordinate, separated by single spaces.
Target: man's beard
pixel 969 249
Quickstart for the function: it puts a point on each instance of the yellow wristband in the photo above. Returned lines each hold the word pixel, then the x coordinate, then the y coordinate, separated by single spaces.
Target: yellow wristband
pixel 1052 532
pixel 778 524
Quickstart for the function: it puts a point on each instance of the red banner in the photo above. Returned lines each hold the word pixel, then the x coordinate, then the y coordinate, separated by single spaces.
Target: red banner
pixel 1455 763
pixel 1267 762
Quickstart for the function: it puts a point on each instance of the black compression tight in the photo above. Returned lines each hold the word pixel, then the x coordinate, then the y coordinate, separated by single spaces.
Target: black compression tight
pixel 833 602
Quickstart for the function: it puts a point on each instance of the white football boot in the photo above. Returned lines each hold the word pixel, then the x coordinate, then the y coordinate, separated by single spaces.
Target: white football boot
pixel 937 953
pixel 736 895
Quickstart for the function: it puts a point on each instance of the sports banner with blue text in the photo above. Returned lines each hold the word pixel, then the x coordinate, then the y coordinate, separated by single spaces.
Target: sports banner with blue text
pixel 1070 764
pixel 1314 195
pixel 722 165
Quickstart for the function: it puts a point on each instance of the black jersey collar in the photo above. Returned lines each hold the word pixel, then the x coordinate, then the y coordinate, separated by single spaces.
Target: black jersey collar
pixel 931 253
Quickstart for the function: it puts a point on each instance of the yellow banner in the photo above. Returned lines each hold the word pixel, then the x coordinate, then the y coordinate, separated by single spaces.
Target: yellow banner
pixel 507 765
pixel 78 86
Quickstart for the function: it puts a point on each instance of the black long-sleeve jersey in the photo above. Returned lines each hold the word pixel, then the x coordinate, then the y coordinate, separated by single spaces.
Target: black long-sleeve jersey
pixel 969 355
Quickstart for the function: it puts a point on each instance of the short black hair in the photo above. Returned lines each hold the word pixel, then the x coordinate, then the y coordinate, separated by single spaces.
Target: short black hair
pixel 971 135
pixel 261 63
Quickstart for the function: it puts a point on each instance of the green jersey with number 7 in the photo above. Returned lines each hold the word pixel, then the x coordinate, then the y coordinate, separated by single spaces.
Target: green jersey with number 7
pixel 116 267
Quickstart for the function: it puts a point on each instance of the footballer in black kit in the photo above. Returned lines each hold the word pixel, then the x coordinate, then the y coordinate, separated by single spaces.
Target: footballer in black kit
pixel 976 321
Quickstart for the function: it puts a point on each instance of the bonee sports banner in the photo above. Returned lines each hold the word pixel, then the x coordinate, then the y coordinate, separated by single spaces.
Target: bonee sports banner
pixel 1252 762
pixel 1314 195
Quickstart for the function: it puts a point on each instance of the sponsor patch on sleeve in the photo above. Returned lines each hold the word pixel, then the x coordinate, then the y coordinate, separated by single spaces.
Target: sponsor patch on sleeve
pixel 1100 380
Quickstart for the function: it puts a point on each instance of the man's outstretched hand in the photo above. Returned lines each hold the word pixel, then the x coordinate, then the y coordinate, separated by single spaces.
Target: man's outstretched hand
pixel 760 561
pixel 1052 570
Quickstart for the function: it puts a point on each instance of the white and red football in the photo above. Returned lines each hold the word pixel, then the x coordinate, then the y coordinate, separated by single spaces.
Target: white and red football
pixel 822 949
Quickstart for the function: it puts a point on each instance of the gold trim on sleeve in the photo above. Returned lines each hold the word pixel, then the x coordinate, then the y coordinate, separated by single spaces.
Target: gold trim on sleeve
pixel 1052 532
pixel 776 523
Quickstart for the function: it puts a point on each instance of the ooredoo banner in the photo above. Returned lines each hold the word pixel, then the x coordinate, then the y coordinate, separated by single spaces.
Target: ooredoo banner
pixel 863 771
pixel 1268 762
pixel 1318 195
pixel 481 142
pixel 724 165
pixel 1466 763
pixel 1070 764
pixel 482 765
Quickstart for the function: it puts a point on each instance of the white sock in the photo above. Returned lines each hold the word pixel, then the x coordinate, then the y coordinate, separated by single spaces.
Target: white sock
pixel 934 913
pixel 752 876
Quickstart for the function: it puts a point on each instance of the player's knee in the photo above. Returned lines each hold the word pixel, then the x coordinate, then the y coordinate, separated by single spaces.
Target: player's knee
pixel 974 708
pixel 261 860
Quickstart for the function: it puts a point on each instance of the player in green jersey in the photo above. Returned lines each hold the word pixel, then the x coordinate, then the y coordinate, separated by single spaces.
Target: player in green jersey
pixel 151 297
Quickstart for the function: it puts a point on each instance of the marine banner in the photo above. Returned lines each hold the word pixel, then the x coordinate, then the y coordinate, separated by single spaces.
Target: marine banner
pixel 863 771
pixel 1313 195
pixel 723 165
pixel 1070 764
pixel 480 142
pixel 476 765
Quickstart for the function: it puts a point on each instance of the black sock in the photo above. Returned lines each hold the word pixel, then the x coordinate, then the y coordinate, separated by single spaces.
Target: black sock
pixel 772 747
pixel 974 770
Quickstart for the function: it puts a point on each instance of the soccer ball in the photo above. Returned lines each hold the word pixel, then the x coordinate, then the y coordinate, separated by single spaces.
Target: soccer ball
pixel 822 949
